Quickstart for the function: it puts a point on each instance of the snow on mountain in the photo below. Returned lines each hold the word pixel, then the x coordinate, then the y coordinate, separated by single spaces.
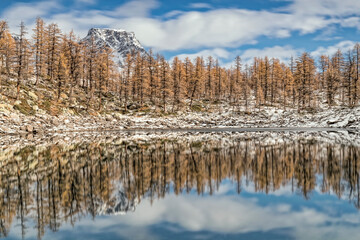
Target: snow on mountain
pixel 120 41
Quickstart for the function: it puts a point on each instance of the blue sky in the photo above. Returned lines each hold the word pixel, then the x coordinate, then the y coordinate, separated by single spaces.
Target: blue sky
pixel 221 28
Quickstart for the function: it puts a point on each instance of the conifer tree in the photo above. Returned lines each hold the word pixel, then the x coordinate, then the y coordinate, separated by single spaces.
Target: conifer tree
pixel 235 88
pixel 218 79
pixel 189 69
pixel 245 89
pixel 39 49
pixel 356 73
pixel 164 81
pixel 209 78
pixel 127 78
pixel 177 82
pixel 21 57
pixel 53 37
pixel 61 73
pixel 348 77
pixel 304 79
pixel 152 70
pixel 72 51
pixel 195 82
pixel 7 49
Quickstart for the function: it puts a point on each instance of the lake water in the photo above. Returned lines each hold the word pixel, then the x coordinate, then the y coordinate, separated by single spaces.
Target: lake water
pixel 158 188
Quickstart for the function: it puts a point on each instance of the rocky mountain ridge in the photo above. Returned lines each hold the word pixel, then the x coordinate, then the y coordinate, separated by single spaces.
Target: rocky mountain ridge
pixel 120 41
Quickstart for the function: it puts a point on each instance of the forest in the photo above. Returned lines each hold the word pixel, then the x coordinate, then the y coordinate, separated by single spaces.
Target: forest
pixel 47 57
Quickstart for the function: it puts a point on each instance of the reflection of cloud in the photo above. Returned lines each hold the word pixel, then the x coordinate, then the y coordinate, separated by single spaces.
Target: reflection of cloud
pixel 233 215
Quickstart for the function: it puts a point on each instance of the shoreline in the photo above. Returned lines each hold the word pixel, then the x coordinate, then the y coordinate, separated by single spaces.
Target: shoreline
pixel 15 123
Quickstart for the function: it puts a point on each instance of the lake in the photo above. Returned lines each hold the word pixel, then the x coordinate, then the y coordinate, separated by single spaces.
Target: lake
pixel 208 185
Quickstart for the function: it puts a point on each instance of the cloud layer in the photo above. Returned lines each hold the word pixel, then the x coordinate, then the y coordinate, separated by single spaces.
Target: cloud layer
pixel 201 27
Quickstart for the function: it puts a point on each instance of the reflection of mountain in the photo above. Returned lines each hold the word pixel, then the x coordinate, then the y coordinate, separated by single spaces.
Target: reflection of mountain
pixel 58 183
pixel 118 204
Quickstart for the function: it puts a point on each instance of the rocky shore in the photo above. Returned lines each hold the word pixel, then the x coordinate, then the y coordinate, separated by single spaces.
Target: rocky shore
pixel 16 123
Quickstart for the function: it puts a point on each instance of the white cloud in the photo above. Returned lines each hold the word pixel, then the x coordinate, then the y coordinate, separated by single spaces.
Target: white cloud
pixel 135 8
pixel 283 53
pixel 173 13
pixel 212 29
pixel 200 5
pixel 344 46
pixel 216 28
pixel 351 22
pixel 90 2
pixel 215 53
pixel 27 12
pixel 334 8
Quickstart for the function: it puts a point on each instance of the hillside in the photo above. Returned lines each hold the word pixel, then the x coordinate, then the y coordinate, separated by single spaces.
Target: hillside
pixel 37 110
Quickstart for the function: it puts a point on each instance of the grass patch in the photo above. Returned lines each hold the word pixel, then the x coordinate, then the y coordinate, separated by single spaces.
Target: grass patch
pixel 196 108
pixel 24 108
pixel 196 144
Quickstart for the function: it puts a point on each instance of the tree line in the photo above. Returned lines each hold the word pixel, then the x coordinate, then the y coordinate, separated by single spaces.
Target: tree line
pixel 68 63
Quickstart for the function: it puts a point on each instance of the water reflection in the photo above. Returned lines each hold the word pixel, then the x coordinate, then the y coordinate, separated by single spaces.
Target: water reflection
pixel 59 184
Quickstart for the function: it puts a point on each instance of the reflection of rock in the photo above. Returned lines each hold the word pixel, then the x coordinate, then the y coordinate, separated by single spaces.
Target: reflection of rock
pixel 119 204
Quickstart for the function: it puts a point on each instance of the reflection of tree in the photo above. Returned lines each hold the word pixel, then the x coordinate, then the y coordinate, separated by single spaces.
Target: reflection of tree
pixel 56 184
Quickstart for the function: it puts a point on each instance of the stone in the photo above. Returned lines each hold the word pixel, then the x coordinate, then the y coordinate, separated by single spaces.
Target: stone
pixel 29 128
pixel 55 122
pixel 30 137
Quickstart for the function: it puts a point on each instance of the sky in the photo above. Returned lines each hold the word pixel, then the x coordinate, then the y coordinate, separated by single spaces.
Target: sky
pixel 221 28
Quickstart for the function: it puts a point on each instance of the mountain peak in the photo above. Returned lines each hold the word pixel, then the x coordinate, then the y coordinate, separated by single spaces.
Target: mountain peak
pixel 120 41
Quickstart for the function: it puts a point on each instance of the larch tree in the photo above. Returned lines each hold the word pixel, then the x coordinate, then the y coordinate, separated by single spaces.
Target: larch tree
pixel 39 49
pixel 72 51
pixel 218 80
pixel 275 76
pixel 257 83
pixel 103 74
pixel 237 81
pixel 164 81
pixel 304 79
pixel 7 50
pixel 286 84
pixel 197 80
pixel 177 82
pixel 209 78
pixel 53 38
pixel 189 72
pixel 60 73
pixel 356 73
pixel 128 72
pixel 348 76
pixel 245 88
pixel 22 55
pixel 153 80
